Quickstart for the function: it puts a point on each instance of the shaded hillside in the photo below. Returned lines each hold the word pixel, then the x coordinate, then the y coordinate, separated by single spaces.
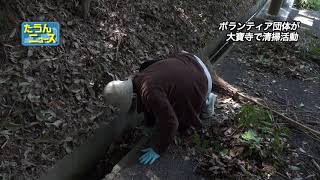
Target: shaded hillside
pixel 51 96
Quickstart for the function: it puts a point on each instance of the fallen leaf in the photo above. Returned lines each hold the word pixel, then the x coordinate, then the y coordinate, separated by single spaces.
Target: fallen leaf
pixel 30 52
pixel 33 98
pixel 268 168
pixel 68 139
pixel 236 151
pixel 302 150
pixel 294 168
pixel 57 123
pixel 228 132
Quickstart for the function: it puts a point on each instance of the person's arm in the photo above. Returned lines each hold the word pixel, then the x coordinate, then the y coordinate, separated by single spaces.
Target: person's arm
pixel 167 121
pixel 155 100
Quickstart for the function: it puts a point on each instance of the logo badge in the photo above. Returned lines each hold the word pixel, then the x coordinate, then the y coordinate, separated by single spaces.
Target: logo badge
pixel 40 33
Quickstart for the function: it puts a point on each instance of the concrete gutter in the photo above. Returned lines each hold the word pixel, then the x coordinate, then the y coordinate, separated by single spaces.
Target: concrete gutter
pixel 84 158
pixel 218 47
pixel 130 159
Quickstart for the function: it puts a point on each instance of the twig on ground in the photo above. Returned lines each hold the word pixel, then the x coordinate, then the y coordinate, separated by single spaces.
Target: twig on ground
pixel 14 103
pixel 316 164
pixel 97 115
pixel 118 45
pixel 310 176
pixel 235 93
pixel 294 115
pixel 278 96
pixel 5 143
pixel 243 169
pixel 311 78
pixel 309 167
pixel 310 156
pixel 281 175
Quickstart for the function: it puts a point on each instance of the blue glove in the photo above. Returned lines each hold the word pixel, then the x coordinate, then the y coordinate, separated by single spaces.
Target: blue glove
pixel 149 156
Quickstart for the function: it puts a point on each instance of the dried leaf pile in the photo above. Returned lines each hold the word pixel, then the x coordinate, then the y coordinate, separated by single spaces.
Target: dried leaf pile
pixel 251 145
pixel 50 98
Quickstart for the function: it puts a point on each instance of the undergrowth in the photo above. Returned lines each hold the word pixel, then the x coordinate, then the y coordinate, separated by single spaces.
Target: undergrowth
pixel 253 142
pixel 262 135
pixel 308 4
pixel 311 49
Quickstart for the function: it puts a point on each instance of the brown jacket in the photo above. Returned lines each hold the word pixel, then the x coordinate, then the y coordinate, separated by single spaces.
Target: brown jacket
pixel 173 90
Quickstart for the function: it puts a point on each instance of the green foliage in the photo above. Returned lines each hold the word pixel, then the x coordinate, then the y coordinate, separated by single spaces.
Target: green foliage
pixel 251 136
pixel 216 146
pixel 202 145
pixel 254 116
pixel 277 142
pixel 315 51
pixel 311 49
pixel 260 125
pixel 196 139
pixel 224 152
pixel 308 4
pixel 264 60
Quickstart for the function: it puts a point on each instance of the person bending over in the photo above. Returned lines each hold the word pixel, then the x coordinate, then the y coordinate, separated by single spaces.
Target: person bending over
pixel 172 93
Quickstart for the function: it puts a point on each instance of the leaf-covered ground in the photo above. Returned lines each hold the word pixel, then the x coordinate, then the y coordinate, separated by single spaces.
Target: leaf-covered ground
pixel 50 98
pixel 286 77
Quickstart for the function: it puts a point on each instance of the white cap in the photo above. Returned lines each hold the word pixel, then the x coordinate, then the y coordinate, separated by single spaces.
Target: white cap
pixel 119 94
